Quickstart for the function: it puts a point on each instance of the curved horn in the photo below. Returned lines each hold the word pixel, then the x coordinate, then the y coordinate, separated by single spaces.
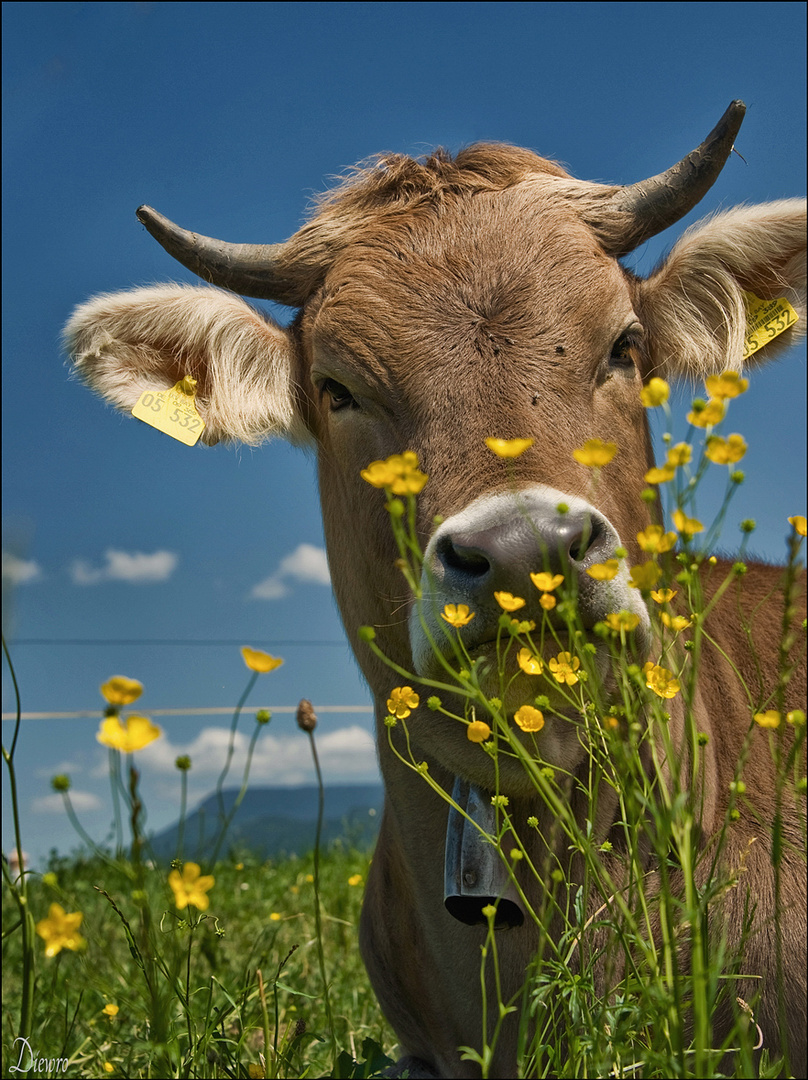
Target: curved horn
pixel 258 270
pixel 646 208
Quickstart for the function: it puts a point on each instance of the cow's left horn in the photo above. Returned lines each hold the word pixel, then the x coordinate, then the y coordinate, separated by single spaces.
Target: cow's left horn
pixel 259 270
pixel 635 213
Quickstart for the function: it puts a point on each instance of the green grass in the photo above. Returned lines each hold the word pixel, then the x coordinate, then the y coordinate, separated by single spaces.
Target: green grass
pixel 196 1011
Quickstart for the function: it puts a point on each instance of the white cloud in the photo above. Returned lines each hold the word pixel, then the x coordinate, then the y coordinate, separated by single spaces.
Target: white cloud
pixel 306 563
pixel 134 567
pixel 54 803
pixel 20 571
pixel 348 753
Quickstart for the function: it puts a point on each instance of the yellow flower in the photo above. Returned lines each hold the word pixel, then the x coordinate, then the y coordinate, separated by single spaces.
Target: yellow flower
pixel 799 524
pixel 545 582
pixel 768 719
pixel 660 476
pixel 61 930
pixel 457 614
pixel 275 916
pixel 728 384
pixel 660 680
pixel 256 660
pixel 478 731
pixel 508 602
pixel 663 596
pixel 354 880
pixel 655 539
pixel 530 719
pixel 595 453
pixel 121 691
pixel 564 667
pixel 110 1010
pixel 655 392
pixel 685 524
pixel 644 576
pixel 547 601
pixel 509 448
pixel 675 622
pixel 529 662
pixel 399 473
pixel 402 701
pixel 622 620
pixel 725 451
pixel 709 416
pixel 109 1067
pixel 135 733
pixel 191 886
pixel 680 454
pixel 604 571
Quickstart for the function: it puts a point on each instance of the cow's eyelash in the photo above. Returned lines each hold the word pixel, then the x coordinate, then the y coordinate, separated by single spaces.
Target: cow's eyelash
pixel 627 349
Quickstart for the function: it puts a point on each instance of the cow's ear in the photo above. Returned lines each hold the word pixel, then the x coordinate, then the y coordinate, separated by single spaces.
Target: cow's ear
pixel 123 344
pixel 693 306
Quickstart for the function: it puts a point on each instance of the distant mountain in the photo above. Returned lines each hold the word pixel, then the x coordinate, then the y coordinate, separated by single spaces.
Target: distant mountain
pixel 277 821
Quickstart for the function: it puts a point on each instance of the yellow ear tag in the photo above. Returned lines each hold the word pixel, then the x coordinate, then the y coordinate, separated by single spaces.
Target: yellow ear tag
pixel 765 320
pixel 172 411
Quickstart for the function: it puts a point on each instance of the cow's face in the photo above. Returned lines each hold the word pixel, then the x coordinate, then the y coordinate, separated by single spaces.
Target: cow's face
pixel 503 317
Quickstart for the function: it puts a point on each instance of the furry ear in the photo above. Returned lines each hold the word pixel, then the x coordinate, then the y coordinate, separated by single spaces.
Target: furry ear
pixel 693 305
pixel 125 343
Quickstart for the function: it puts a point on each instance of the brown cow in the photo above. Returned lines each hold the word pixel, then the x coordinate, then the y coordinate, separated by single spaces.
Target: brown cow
pixel 442 302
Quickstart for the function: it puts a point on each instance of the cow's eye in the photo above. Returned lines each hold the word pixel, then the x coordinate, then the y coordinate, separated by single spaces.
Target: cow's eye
pixel 626 350
pixel 339 397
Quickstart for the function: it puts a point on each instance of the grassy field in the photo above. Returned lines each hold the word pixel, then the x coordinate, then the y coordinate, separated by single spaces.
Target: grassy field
pixel 239 994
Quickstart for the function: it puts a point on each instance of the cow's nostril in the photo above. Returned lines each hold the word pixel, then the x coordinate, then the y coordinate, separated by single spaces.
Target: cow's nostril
pixel 463 558
pixel 586 538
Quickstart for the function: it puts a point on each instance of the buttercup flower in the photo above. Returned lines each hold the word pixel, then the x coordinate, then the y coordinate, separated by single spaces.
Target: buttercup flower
pixel 595 453
pixel 675 622
pixel 508 602
pixel 121 691
pixel 256 660
pixel 725 451
pixel 61 930
pixel 529 719
pixel 708 416
pixel 545 582
pixel 508 448
pixel 457 614
pixel 402 701
pixel 529 662
pixel 728 384
pixel 799 524
pixel 111 1010
pixel 768 719
pixel 354 880
pixel 604 571
pixel 663 596
pixel 660 680
pixel 644 576
pixel 191 886
pixel 680 454
pixel 133 734
pixel 478 731
pixel 622 620
pixel 655 539
pixel 660 476
pixel 655 392
pixel 685 524
pixel 564 667
pixel 399 474
pixel 547 601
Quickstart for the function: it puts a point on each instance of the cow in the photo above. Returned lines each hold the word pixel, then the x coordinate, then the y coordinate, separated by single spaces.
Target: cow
pixel 443 301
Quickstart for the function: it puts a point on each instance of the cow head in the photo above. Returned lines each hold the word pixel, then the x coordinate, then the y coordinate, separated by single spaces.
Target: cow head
pixel 442 303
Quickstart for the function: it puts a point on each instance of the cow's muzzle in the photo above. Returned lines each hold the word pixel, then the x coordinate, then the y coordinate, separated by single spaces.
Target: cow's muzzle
pixel 475 875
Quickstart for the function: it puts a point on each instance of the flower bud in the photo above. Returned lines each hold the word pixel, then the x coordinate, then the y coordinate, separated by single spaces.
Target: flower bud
pixel 306 716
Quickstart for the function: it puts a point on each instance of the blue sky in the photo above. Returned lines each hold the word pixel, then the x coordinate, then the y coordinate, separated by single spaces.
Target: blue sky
pixel 228 118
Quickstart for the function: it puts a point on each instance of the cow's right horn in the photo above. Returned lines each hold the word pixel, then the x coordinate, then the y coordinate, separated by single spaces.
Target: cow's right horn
pixel 259 270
